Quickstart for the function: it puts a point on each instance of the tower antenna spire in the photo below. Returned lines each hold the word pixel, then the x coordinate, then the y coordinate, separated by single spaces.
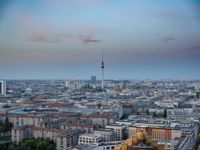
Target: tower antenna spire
pixel 102 55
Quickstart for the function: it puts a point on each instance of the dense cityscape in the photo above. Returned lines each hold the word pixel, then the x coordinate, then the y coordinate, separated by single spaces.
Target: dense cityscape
pixel 99 75
pixel 79 115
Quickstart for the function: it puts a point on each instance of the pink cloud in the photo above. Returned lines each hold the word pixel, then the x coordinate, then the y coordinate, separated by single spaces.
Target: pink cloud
pixel 43 31
pixel 46 37
pixel 89 32
pixel 89 38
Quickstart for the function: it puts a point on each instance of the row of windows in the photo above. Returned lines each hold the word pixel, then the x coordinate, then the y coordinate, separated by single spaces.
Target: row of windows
pixel 108 148
pixel 87 141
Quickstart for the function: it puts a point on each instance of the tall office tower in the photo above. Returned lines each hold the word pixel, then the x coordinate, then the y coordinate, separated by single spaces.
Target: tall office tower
pixel 2 88
pixel 93 79
pixel 102 72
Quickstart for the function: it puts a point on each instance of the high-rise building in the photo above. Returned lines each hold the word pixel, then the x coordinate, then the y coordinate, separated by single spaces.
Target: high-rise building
pixel 2 88
pixel 93 79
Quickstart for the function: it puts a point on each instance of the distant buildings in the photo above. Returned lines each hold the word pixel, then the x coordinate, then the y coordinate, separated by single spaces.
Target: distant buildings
pixel 79 117
pixel 73 85
pixel 2 87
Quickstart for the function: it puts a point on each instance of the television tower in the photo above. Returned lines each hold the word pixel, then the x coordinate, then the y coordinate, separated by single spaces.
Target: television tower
pixel 102 72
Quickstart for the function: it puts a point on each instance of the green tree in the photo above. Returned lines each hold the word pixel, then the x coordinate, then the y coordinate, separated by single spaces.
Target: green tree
pixel 2 128
pixel 8 125
pixel 154 114
pixel 147 112
pixel 6 106
pixel 36 144
pixel 40 145
pixel 12 147
pixel 165 113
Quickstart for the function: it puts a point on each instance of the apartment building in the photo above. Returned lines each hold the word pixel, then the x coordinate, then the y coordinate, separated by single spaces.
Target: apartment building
pixel 68 139
pixel 107 134
pixel 100 119
pixel 119 130
pixel 20 133
pixel 85 124
pixel 88 139
pixel 21 120
pixel 47 133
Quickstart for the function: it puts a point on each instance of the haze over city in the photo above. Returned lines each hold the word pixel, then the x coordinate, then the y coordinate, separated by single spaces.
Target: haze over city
pixel 63 39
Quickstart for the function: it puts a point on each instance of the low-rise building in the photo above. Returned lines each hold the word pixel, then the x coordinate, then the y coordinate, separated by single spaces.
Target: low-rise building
pixel 80 124
pixel 47 133
pixel 120 131
pixel 158 133
pixel 67 139
pixel 21 120
pixel 107 134
pixel 88 139
pixel 101 120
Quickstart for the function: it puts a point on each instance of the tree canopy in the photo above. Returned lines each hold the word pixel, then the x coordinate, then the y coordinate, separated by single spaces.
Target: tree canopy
pixel 6 126
pixel 36 144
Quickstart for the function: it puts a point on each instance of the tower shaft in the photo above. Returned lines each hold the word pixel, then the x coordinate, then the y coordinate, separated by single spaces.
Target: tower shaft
pixel 102 78
pixel 102 72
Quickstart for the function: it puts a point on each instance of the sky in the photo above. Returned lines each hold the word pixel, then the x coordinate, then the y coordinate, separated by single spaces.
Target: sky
pixel 63 39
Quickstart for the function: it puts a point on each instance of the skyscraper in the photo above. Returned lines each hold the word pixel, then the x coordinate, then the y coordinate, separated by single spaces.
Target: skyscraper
pixel 93 79
pixel 102 72
pixel 2 88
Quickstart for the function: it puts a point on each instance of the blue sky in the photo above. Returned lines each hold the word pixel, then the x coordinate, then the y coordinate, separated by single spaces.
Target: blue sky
pixel 63 39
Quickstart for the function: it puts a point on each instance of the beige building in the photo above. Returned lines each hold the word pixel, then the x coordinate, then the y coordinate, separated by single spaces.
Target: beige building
pixel 158 133
pixel 63 139
pixel 67 139
pixel 87 128
pixel 47 133
pixel 119 130
pixel 107 134
pixel 21 120
pixel 20 133
pixel 101 120
pixel 131 131
pixel 88 139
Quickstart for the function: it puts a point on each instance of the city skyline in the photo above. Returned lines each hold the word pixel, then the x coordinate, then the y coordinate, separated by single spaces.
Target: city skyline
pixel 63 39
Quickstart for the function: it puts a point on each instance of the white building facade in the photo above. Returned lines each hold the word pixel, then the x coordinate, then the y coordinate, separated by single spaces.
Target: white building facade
pixel 2 87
